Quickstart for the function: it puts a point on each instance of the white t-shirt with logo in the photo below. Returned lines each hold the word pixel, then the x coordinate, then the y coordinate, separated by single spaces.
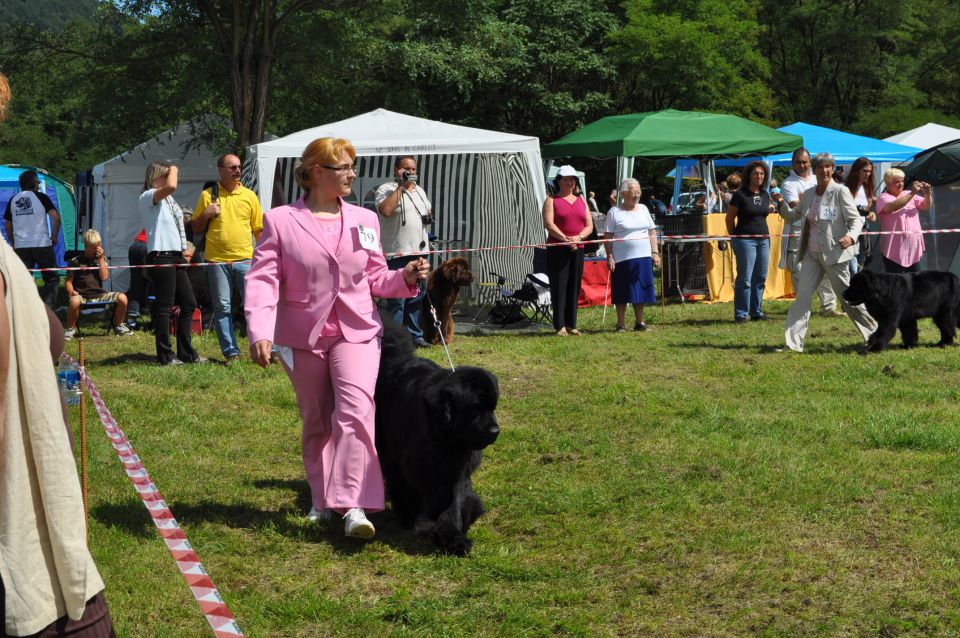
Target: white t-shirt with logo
pixel 28 212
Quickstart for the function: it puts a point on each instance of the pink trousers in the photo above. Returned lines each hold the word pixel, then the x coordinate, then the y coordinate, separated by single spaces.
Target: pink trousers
pixel 334 385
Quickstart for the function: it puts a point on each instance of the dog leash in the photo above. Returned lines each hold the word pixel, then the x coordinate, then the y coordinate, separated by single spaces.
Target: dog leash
pixel 436 325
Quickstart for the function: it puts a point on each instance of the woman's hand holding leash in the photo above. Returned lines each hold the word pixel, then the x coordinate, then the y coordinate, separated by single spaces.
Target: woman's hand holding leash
pixel 416 270
pixel 260 352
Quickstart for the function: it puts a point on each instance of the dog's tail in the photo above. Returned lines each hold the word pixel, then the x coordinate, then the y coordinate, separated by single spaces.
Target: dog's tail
pixel 396 348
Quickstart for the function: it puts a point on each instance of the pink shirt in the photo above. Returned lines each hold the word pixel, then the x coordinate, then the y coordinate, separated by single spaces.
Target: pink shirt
pixel 904 249
pixel 571 219
pixel 330 228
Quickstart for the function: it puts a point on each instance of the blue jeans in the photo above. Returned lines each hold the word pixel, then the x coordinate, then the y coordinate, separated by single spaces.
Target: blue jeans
pixel 406 312
pixel 753 259
pixel 223 279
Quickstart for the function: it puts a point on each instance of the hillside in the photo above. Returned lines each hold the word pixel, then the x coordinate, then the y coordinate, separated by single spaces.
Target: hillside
pixel 47 14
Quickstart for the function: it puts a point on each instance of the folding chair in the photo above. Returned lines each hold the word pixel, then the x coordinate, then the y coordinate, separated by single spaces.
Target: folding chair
pixel 530 302
pixel 92 309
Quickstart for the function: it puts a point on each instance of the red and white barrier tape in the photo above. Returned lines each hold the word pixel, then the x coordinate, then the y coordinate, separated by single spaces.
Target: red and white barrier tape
pixel 211 602
pixel 443 251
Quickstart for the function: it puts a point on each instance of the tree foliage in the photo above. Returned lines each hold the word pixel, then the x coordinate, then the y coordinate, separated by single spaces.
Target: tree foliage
pixel 86 90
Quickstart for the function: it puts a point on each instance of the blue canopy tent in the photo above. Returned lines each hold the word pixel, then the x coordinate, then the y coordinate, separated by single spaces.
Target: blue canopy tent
pixel 845 147
pixel 59 192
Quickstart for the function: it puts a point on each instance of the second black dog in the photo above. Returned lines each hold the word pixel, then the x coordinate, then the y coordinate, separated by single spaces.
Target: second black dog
pixel 898 300
pixel 431 425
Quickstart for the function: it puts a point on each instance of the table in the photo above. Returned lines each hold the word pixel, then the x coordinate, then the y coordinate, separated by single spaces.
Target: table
pixel 721 264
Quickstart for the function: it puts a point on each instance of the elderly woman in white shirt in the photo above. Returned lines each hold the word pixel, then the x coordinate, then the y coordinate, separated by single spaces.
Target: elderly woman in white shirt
pixel 632 257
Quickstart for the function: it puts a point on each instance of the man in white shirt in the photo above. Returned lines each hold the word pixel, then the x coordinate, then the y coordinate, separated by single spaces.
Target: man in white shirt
pixel 28 232
pixel 801 178
pixel 405 212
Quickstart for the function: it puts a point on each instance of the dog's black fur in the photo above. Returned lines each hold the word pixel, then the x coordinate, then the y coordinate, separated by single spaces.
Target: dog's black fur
pixel 898 300
pixel 431 425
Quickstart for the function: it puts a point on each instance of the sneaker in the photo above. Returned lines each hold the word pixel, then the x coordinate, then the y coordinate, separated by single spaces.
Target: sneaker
pixel 69 333
pixel 121 330
pixel 320 516
pixel 200 360
pixel 621 328
pixel 356 524
pixel 234 358
pixel 740 320
pixel 173 362
pixel 421 343
pixel 833 312
pixel 760 317
pixel 640 327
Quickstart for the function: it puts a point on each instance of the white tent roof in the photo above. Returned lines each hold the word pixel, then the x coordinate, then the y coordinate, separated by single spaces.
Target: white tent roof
pixel 383 132
pixel 177 146
pixel 926 136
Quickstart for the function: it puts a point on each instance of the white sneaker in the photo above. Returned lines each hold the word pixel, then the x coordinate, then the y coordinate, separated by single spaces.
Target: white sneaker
pixel 122 330
pixel 69 333
pixel 319 516
pixel 356 524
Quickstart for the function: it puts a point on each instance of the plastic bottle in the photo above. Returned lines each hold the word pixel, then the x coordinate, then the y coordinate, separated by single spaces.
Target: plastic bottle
pixel 68 377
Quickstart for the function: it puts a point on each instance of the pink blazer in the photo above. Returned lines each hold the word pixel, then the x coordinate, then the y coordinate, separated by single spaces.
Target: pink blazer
pixel 295 280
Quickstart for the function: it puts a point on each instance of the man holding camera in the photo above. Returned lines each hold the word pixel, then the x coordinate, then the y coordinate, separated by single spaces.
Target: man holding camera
pixel 405 213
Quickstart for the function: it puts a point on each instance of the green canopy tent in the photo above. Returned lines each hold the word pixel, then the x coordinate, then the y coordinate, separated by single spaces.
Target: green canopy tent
pixel 671 133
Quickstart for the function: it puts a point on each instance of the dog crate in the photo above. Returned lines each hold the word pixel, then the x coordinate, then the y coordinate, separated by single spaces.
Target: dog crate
pixel 683 264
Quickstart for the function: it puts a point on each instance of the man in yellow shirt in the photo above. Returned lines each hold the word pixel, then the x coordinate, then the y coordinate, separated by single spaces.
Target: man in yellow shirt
pixel 232 218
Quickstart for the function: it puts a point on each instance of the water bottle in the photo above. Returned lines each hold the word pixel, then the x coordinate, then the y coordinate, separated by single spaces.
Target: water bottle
pixel 68 377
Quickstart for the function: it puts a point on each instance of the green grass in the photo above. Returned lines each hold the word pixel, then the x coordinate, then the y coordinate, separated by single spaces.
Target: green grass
pixel 686 481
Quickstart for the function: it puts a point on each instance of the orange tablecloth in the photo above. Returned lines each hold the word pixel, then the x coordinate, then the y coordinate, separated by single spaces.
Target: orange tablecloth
pixel 722 268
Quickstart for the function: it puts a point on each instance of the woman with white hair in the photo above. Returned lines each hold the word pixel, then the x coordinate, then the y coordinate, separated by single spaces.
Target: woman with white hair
pixel 828 241
pixel 632 257
pixel 899 214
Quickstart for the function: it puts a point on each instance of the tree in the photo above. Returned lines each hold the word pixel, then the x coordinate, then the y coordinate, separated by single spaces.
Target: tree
pixel 693 54
pixel 242 37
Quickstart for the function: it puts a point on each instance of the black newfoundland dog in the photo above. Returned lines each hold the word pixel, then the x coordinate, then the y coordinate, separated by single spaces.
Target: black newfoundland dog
pixel 898 300
pixel 431 425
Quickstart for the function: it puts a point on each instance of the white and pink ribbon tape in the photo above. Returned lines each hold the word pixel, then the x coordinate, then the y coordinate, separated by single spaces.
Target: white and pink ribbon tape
pixel 211 602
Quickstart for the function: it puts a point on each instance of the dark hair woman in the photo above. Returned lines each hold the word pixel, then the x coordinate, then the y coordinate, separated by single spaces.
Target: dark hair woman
pixel 861 181
pixel 747 215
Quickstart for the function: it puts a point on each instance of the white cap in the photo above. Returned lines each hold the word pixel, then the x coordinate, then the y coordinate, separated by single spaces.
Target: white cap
pixel 566 171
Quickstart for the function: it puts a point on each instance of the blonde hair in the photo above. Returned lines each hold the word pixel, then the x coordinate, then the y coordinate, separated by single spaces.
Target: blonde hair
pixel 323 150
pixel 5 95
pixel 91 237
pixel 892 174
pixel 155 171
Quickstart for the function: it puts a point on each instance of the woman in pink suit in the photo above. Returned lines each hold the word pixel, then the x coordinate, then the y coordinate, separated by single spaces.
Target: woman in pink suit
pixel 310 292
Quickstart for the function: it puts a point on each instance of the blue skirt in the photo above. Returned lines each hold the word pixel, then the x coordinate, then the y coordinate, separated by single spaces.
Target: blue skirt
pixel 633 282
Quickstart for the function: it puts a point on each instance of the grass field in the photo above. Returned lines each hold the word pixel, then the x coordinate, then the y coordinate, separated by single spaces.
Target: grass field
pixel 686 481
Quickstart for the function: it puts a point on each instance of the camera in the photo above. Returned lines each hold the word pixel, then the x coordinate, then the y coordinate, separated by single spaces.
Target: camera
pixel 863 210
pixel 405 177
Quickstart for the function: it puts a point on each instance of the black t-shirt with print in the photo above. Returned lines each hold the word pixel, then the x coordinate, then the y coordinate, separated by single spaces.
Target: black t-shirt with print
pixel 752 210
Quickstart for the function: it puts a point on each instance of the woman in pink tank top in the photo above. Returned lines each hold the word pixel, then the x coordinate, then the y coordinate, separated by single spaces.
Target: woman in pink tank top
pixel 567 221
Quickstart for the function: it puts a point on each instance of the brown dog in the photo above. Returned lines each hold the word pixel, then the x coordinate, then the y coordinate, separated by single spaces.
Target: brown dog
pixel 443 288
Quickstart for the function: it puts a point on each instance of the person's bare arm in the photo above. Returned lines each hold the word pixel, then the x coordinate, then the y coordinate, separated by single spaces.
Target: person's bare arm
pixel 54 225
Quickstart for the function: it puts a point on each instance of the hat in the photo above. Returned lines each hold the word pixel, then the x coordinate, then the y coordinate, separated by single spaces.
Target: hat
pixel 566 171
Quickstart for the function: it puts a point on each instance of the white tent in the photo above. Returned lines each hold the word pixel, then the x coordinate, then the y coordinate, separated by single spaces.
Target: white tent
pixel 118 182
pixel 926 136
pixel 486 187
